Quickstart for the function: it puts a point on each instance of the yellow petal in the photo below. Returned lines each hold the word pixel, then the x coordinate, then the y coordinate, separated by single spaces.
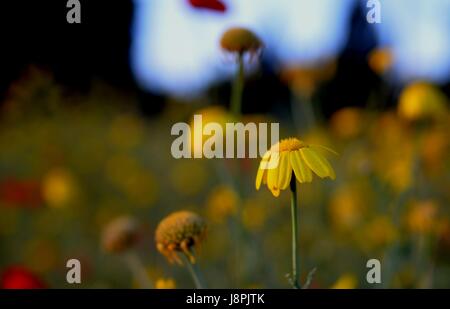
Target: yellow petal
pixel 317 163
pixel 274 161
pixel 285 172
pixel 323 147
pixel 272 178
pixel 296 167
pixel 262 175
pixel 302 172
pixel 259 177
pixel 275 192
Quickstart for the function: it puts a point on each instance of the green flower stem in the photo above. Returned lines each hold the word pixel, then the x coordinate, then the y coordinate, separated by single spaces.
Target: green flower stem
pixel 294 215
pixel 238 88
pixel 193 270
pixel 138 270
pixel 236 110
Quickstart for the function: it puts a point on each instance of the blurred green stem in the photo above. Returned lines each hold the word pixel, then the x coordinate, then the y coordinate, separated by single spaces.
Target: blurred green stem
pixel 294 215
pixel 193 270
pixel 236 110
pixel 238 88
pixel 138 270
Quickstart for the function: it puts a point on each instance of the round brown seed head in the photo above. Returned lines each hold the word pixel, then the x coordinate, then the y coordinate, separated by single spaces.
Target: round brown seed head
pixel 179 232
pixel 240 40
pixel 120 234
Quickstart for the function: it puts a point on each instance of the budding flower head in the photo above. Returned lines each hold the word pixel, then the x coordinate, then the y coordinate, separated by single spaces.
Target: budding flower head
pixel 381 60
pixel 240 40
pixel 180 231
pixel 120 234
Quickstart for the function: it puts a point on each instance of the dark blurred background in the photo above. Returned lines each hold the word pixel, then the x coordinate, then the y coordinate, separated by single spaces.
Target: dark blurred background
pixel 36 33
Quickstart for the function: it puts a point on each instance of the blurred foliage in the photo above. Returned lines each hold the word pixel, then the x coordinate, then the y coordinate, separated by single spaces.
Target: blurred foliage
pixel 71 163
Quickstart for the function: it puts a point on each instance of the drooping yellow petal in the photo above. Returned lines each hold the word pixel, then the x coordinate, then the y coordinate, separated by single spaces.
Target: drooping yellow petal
pixel 264 180
pixel 259 177
pixel 323 147
pixel 296 167
pixel 315 161
pixel 272 177
pixel 302 172
pixel 275 192
pixel 285 172
pixel 307 173
pixel 262 170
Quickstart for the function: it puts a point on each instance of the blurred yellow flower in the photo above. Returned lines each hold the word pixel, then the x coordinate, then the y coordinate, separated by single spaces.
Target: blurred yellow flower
pixel 212 114
pixel 420 101
pixel 346 281
pixel 222 203
pixel 393 155
pixel 178 232
pixel 165 283
pixel 398 172
pixel 58 187
pixel 378 233
pixel 305 80
pixel 347 122
pixel 435 149
pixel 381 60
pixel 422 216
pixel 347 206
pixel 292 155
pixel 253 215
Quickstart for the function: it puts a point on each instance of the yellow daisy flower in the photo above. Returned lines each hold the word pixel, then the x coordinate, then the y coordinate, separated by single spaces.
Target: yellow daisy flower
pixel 289 155
pixel 276 167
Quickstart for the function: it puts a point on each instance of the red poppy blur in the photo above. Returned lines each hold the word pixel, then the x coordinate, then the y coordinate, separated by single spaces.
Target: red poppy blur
pixel 24 193
pixel 214 5
pixel 18 277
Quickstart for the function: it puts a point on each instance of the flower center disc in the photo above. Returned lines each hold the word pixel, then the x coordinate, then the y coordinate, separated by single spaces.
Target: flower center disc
pixel 288 144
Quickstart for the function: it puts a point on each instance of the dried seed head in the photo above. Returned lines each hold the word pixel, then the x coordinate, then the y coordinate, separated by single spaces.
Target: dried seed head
pixel 179 232
pixel 120 234
pixel 240 40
